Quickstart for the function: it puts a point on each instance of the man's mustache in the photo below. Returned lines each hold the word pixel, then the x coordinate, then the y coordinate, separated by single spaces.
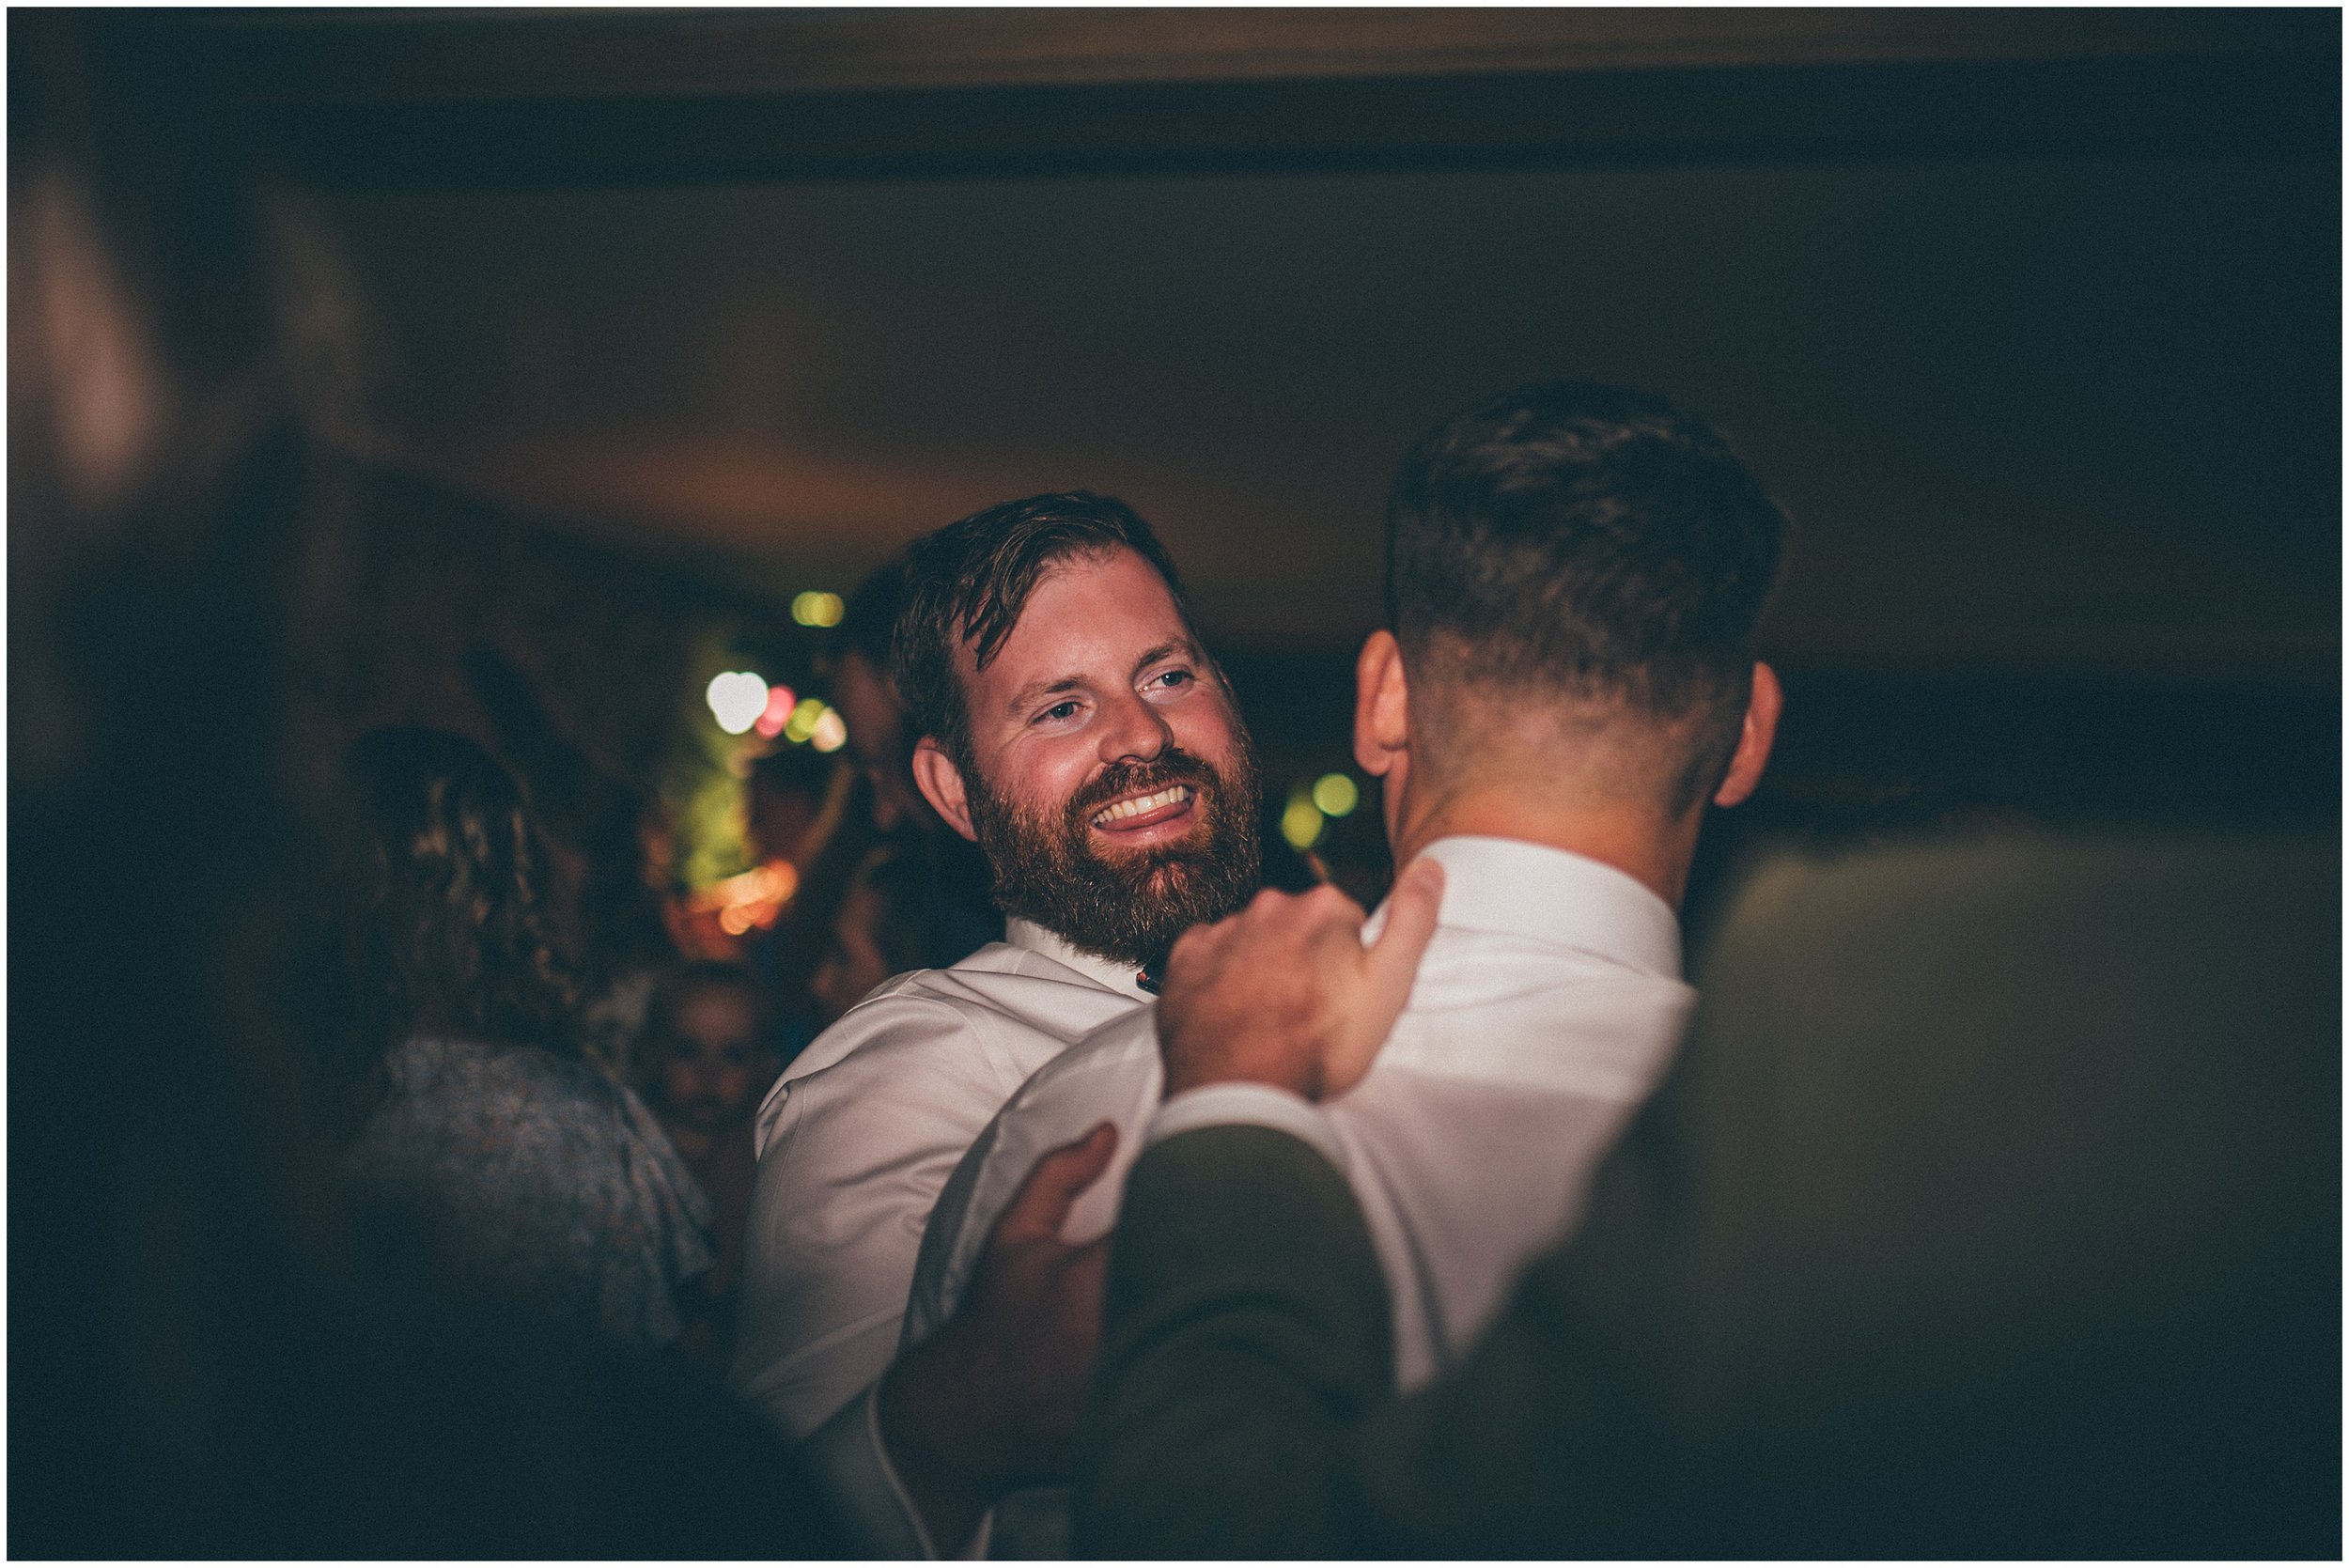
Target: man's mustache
pixel 1132 777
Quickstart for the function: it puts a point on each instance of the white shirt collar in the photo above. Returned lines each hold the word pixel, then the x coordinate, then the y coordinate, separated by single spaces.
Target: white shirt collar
pixel 1503 885
pixel 1513 888
pixel 1120 978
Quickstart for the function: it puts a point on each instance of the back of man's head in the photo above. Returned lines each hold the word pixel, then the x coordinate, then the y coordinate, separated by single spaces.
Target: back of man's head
pixel 967 583
pixel 1588 549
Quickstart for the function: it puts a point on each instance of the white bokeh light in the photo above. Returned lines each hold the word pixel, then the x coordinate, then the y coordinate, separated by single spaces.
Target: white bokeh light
pixel 736 698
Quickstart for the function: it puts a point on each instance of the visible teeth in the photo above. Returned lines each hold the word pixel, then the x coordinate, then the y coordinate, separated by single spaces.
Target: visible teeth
pixel 1171 794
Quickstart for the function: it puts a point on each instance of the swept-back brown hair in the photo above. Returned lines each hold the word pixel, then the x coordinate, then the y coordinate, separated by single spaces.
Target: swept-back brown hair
pixel 967 583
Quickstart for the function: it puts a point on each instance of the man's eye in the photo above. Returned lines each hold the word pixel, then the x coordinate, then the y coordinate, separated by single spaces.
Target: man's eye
pixel 1172 680
pixel 1058 711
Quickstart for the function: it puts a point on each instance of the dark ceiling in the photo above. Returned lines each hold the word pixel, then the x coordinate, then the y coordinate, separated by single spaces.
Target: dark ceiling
pixel 2032 318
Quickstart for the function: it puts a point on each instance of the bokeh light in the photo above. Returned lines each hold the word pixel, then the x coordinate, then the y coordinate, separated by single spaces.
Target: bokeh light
pixel 1336 794
pixel 751 901
pixel 801 724
pixel 817 608
pixel 781 700
pixel 1302 824
pixel 736 698
pixel 831 732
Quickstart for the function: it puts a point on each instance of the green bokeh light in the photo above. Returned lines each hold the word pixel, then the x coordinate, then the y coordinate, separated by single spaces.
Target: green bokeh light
pixel 1302 824
pixel 1336 794
pixel 817 608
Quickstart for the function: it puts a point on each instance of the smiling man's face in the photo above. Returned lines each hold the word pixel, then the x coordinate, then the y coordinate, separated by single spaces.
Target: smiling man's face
pixel 1108 779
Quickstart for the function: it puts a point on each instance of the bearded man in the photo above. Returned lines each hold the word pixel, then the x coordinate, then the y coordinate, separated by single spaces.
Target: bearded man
pixel 1074 728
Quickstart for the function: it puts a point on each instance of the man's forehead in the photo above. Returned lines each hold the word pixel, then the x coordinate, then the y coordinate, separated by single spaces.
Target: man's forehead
pixel 1059 610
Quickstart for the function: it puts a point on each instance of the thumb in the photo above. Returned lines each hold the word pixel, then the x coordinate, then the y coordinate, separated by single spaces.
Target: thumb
pixel 1041 1206
pixel 1393 962
pixel 1389 967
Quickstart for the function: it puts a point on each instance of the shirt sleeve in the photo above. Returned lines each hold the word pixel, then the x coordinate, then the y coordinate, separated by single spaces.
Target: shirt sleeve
pixel 1111 1074
pixel 847 1452
pixel 856 1156
pixel 851 1459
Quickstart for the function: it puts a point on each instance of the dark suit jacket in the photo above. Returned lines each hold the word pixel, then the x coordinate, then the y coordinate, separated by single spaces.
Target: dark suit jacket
pixel 1992 1208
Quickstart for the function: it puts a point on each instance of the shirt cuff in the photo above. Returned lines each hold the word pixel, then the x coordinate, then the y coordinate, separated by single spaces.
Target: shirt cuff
pixel 1216 1105
pixel 847 1452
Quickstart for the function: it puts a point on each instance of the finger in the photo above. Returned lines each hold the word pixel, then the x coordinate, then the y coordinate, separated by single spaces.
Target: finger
pixel 1041 1206
pixel 1391 963
pixel 1329 902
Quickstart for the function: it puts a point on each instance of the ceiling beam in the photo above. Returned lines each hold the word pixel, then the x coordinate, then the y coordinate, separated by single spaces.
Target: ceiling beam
pixel 438 99
pixel 438 55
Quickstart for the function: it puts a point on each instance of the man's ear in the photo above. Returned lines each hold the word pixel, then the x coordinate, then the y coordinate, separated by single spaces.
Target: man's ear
pixel 1382 706
pixel 940 783
pixel 1753 738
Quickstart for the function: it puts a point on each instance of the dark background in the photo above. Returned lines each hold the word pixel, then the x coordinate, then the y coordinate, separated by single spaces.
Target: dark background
pixel 2031 320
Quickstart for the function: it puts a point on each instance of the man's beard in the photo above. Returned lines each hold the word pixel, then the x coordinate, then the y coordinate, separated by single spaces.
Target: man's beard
pixel 1127 909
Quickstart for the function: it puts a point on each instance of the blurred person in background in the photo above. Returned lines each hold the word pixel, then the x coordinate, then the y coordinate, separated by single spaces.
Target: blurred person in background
pixel 707 1057
pixel 884 887
pixel 489 1127
pixel 211 1357
pixel 807 811
pixel 881 737
pixel 611 849
pixel 157 476
pixel 795 800
pixel 894 919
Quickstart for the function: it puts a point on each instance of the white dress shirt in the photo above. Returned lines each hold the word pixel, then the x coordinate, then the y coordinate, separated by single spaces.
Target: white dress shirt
pixel 1545 1011
pixel 857 1137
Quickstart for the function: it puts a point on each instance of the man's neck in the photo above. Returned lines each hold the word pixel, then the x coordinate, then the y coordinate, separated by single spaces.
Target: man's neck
pixel 1640 842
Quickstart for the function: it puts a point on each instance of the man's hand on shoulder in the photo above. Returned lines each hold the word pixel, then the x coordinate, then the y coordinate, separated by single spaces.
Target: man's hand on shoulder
pixel 1285 992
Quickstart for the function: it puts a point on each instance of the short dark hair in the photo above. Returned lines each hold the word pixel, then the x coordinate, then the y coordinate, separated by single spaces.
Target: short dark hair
pixel 1585 539
pixel 967 582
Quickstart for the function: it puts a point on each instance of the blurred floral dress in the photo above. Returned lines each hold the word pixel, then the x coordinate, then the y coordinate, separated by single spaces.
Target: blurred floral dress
pixel 553 1181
